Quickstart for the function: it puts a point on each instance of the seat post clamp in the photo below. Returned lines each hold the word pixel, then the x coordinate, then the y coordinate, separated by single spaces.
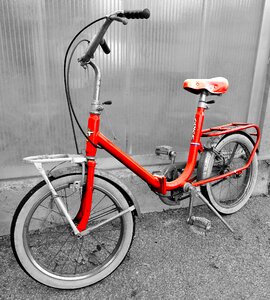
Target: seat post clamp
pixel 202 101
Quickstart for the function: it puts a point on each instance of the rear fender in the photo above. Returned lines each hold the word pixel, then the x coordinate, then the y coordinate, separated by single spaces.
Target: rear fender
pixel 206 155
pixel 77 169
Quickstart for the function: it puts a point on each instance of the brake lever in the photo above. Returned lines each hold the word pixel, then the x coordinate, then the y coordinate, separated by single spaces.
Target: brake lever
pixel 118 19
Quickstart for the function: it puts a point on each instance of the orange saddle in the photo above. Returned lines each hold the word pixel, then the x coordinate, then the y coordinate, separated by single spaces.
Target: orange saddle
pixel 217 85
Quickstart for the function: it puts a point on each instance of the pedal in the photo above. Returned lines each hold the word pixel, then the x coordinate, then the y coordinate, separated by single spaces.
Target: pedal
pixel 200 222
pixel 163 150
pixel 166 152
pixel 195 193
pixel 158 173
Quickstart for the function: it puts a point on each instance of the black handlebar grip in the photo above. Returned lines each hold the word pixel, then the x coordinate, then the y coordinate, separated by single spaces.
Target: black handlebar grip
pixel 105 46
pixel 135 14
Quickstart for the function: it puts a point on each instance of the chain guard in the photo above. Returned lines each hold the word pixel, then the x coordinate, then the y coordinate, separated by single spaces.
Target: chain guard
pixel 172 197
pixel 206 156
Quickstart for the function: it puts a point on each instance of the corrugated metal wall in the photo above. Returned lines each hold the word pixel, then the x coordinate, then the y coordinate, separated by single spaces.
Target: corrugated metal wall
pixel 143 75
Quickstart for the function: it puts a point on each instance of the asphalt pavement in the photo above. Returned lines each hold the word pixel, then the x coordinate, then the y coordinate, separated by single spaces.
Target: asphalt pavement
pixel 171 260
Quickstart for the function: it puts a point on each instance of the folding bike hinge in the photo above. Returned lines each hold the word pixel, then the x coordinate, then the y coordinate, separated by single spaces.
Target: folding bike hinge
pixel 203 222
pixel 162 180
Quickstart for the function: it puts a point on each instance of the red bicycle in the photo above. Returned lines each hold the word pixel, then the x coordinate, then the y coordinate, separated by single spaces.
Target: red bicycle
pixel 76 226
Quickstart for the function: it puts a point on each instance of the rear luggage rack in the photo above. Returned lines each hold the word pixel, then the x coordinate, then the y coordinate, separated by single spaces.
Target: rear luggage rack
pixel 228 129
pixel 231 128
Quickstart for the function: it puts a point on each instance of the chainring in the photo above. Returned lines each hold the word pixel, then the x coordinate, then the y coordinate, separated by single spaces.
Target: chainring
pixel 172 197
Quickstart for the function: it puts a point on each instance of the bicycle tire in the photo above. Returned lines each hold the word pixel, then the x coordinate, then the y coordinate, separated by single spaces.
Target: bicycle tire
pixel 48 251
pixel 229 194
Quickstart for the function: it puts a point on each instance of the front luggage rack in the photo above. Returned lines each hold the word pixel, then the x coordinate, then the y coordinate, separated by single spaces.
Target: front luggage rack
pixel 50 158
pixel 38 160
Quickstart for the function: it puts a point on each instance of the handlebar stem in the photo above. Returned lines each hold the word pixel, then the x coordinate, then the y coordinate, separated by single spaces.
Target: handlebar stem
pixel 96 108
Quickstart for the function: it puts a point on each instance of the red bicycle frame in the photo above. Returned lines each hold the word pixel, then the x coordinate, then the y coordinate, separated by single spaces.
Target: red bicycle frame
pixel 158 183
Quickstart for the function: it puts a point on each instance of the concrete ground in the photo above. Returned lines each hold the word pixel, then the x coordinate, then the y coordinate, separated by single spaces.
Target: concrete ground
pixel 168 260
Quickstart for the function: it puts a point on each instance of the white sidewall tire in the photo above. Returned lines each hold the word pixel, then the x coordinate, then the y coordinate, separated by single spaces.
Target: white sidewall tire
pixel 207 169
pixel 64 283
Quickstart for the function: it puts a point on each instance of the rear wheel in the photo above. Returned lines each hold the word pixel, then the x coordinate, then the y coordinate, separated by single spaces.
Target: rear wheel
pixel 47 249
pixel 230 194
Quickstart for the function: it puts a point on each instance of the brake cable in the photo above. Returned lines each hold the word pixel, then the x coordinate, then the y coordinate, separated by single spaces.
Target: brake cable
pixel 127 14
pixel 72 113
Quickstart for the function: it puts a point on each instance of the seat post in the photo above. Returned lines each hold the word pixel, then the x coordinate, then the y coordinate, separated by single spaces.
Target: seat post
pixel 202 100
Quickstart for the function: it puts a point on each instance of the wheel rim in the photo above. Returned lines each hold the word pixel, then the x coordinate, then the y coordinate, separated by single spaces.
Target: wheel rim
pixel 54 250
pixel 229 192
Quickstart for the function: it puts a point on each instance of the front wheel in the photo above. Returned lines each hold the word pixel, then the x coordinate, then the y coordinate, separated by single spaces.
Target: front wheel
pixel 45 246
pixel 229 194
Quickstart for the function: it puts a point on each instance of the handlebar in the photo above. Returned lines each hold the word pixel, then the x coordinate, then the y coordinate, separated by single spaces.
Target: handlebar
pixel 99 40
pixel 135 14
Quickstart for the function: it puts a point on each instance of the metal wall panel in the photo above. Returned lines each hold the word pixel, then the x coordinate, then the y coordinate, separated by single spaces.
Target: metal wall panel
pixel 143 75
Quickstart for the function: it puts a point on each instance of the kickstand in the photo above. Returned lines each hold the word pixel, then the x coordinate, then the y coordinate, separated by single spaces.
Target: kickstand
pixel 191 219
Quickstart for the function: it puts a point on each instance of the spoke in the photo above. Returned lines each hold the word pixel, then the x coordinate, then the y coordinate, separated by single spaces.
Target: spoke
pixel 218 182
pixel 92 256
pixel 101 244
pixel 110 229
pixel 68 257
pixel 105 213
pixel 80 253
pixel 233 152
pixel 107 207
pixel 237 178
pixel 228 191
pixel 52 244
pixel 60 250
pixel 99 202
pixel 244 184
pixel 109 238
pixel 230 181
pixel 51 222
pixel 57 212
pixel 62 216
pixel 53 241
pixel 220 192
pixel 45 220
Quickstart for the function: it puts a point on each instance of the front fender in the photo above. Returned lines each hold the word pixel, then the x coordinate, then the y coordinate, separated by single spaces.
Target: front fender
pixel 77 169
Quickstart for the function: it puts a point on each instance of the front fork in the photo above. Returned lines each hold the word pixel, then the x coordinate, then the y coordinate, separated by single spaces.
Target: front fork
pixel 83 214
